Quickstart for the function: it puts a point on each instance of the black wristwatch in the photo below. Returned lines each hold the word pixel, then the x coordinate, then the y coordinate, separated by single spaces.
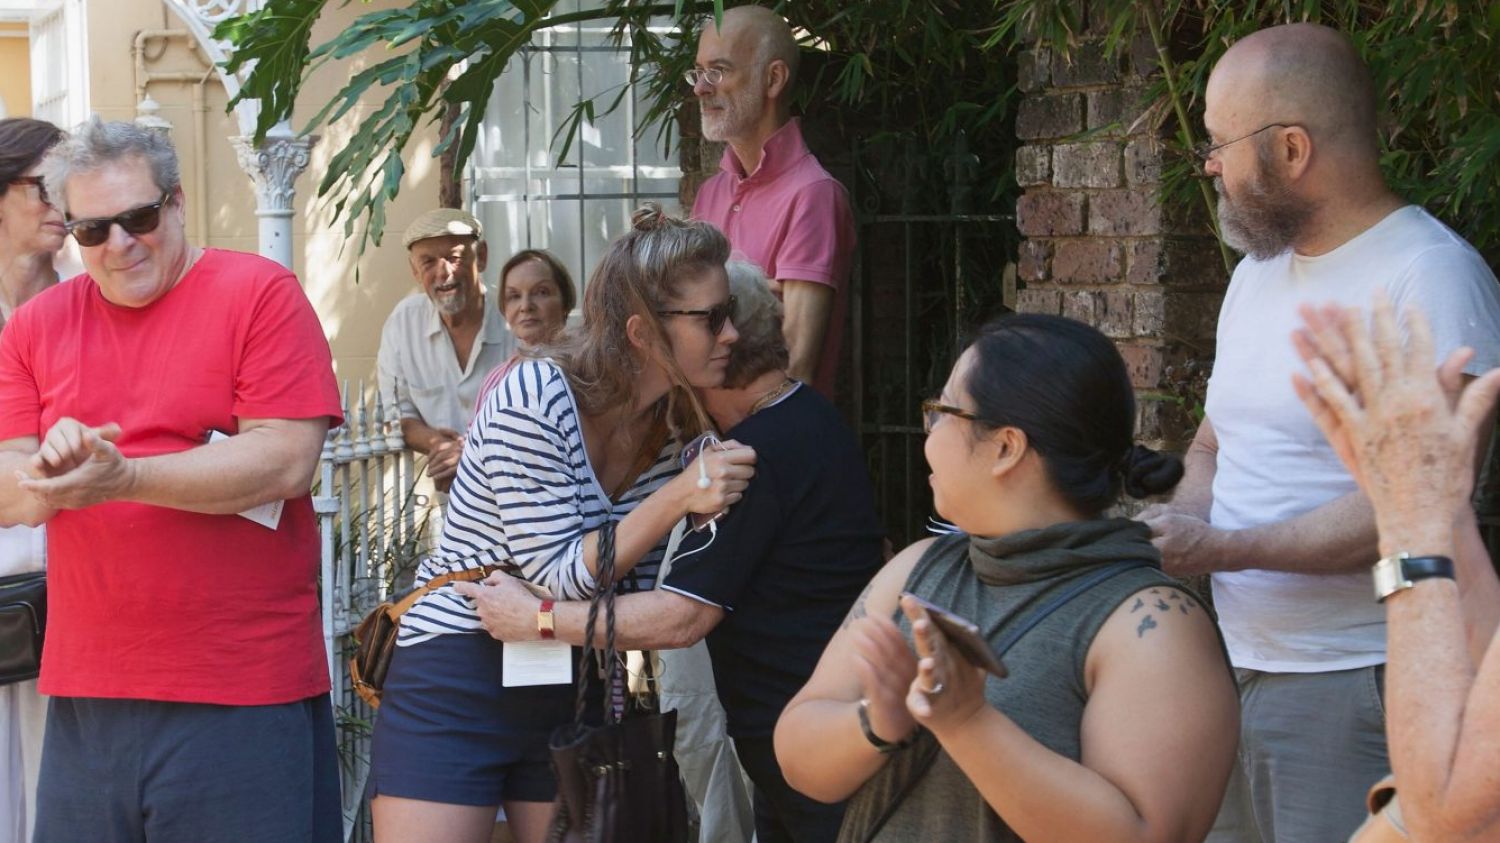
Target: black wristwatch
pixel 884 747
pixel 1401 571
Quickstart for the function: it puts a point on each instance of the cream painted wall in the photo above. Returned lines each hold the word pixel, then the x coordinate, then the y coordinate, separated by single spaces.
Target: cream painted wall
pixel 352 314
pixel 15 70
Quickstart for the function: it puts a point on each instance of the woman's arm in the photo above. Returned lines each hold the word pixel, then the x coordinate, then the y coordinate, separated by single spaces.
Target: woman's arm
pixel 1158 732
pixel 517 470
pixel 819 744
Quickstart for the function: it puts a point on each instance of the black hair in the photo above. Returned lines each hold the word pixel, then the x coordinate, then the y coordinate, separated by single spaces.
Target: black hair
pixel 23 142
pixel 1064 385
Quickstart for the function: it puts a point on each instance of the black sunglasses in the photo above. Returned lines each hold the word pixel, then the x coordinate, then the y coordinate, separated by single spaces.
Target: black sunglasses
pixel 41 186
pixel 717 315
pixel 136 221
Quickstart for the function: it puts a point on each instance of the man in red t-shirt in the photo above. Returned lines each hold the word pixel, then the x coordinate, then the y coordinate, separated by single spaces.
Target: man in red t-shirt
pixel 777 205
pixel 148 408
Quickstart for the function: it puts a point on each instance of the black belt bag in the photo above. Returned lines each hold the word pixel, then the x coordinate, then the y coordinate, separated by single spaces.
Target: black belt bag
pixel 23 625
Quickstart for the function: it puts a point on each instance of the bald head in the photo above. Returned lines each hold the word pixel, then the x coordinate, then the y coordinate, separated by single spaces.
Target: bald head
pixel 1299 73
pixel 764 33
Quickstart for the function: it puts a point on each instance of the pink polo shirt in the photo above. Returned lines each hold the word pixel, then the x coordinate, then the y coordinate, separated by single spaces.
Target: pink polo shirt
pixel 792 219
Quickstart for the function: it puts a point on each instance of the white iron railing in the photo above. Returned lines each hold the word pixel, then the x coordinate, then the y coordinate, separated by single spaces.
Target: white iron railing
pixel 371 523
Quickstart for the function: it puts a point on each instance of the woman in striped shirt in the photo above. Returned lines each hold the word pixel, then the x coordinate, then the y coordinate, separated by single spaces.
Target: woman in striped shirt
pixel 587 431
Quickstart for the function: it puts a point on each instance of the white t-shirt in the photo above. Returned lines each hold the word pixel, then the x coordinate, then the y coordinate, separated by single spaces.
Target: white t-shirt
pixel 1274 463
pixel 418 367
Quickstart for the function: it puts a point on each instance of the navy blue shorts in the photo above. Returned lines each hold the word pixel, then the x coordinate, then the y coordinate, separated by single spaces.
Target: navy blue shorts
pixel 129 771
pixel 449 731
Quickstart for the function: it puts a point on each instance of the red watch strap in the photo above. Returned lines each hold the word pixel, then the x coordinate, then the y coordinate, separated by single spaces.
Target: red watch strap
pixel 546 631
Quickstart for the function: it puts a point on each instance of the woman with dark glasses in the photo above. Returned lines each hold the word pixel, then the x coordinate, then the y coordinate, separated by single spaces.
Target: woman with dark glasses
pixel 1117 716
pixel 31 238
pixel 583 432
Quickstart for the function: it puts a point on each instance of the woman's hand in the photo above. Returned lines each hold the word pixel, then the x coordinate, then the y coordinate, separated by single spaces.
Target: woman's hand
pixel 716 480
pixel 506 607
pixel 1407 434
pixel 947 690
pixel 885 667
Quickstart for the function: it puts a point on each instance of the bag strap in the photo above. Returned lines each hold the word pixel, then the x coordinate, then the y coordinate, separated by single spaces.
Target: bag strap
pixel 400 607
pixel 603 595
pixel 1057 602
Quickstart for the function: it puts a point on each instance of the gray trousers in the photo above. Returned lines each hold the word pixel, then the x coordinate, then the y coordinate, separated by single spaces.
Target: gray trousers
pixel 1311 744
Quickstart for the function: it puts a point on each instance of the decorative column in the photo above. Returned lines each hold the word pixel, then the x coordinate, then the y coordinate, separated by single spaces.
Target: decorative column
pixel 274 166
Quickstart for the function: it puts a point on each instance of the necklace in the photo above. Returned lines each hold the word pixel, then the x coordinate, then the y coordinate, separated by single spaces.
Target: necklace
pixel 773 396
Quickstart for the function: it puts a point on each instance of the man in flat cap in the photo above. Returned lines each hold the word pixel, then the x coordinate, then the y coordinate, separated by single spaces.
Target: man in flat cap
pixel 440 342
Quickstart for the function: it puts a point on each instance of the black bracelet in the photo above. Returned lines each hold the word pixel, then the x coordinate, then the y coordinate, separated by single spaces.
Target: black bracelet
pixel 884 747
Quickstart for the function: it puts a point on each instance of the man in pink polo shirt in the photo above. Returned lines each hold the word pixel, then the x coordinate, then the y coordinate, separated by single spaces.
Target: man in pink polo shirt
pixel 778 206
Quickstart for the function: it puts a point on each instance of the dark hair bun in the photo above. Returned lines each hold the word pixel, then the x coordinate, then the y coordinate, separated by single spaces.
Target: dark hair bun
pixel 648 217
pixel 1147 472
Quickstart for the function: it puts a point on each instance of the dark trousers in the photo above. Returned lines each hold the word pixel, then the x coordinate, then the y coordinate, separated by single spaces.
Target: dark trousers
pixel 782 815
pixel 130 771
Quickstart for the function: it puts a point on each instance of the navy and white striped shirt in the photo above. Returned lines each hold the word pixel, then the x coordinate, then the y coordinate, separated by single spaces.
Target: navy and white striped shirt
pixel 526 491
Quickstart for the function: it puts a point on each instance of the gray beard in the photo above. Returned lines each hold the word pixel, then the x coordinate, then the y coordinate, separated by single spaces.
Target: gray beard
pixel 1265 220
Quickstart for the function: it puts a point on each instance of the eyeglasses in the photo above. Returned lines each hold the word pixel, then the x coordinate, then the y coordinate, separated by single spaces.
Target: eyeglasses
pixel 136 221
pixel 717 315
pixel 712 76
pixel 1205 150
pixel 36 181
pixel 932 409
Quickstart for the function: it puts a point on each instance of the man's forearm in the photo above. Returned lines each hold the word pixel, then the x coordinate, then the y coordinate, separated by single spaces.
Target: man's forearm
pixel 652 620
pixel 808 308
pixel 418 435
pixel 232 475
pixel 1195 493
pixel 1336 538
pixel 17 506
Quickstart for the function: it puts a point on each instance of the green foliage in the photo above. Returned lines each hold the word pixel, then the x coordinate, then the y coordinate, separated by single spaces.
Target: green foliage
pixel 1435 66
pixel 909 74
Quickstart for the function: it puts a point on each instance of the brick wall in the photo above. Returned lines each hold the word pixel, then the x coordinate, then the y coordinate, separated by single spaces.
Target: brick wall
pixel 1098 245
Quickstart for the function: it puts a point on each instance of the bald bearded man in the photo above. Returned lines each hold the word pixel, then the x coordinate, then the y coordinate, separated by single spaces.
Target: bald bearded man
pixel 780 209
pixel 1265 506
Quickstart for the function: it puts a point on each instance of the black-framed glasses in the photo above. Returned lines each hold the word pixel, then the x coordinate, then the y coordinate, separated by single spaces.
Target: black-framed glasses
pixel 933 408
pixel 41 186
pixel 711 75
pixel 717 315
pixel 136 221
pixel 1205 150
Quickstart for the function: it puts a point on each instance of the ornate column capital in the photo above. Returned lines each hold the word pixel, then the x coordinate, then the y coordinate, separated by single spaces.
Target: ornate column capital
pixel 274 166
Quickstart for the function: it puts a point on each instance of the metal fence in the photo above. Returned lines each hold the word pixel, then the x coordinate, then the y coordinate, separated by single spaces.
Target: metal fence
pixel 372 525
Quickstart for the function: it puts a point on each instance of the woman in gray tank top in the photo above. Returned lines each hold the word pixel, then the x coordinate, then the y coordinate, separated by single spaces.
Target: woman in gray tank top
pixel 1118 719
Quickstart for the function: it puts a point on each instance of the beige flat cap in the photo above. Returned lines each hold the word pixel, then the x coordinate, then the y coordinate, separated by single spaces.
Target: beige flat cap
pixel 442 222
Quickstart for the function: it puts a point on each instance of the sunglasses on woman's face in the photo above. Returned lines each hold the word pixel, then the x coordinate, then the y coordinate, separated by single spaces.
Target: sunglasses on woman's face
pixel 34 181
pixel 717 315
pixel 136 221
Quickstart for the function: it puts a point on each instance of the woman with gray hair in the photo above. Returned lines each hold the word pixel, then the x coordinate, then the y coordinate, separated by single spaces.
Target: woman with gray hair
pixel 767 584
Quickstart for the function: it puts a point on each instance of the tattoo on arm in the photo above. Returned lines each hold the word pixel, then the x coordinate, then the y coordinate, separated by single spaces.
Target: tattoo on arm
pixel 857 611
pixel 1149 622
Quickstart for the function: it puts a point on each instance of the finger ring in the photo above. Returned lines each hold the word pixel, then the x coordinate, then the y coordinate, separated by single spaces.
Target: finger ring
pixel 934 690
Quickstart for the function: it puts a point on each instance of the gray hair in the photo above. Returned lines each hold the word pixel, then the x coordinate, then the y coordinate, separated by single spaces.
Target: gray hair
pixel 757 316
pixel 96 144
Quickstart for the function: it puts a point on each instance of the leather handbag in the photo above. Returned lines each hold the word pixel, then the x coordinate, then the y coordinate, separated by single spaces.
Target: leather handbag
pixel 375 637
pixel 617 782
pixel 23 625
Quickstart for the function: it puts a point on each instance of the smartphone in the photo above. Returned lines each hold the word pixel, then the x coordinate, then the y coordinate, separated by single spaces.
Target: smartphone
pixel 690 452
pixel 964 637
